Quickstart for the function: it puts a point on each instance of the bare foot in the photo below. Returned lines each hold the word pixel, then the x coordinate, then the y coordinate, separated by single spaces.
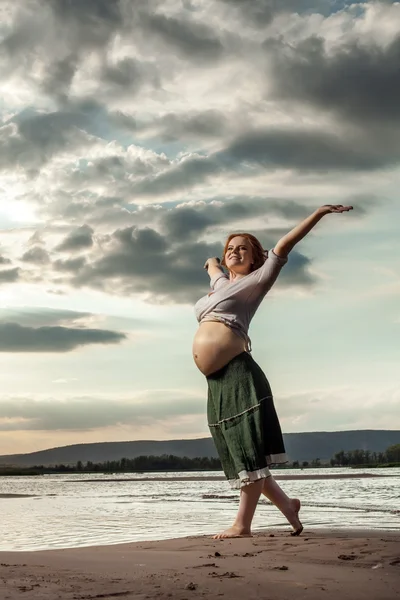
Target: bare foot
pixel 292 515
pixel 233 532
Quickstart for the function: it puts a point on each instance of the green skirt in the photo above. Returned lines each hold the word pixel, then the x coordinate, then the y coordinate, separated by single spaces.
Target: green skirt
pixel 243 421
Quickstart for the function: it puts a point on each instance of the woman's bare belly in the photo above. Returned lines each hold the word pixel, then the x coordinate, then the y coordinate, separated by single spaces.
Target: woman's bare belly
pixel 214 345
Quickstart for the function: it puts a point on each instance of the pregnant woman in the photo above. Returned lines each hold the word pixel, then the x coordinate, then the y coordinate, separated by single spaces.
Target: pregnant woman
pixel 240 410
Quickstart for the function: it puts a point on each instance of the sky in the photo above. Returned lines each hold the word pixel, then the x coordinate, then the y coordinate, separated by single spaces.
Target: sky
pixel 135 136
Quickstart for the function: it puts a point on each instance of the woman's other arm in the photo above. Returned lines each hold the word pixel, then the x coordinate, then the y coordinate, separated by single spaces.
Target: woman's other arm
pixel 216 272
pixel 288 241
pixel 213 267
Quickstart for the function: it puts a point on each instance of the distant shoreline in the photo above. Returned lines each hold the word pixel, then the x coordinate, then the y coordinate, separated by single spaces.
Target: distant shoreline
pixel 222 478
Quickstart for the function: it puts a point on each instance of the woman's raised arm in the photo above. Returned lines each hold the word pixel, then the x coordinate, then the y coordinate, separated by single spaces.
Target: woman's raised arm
pixel 288 241
pixel 213 266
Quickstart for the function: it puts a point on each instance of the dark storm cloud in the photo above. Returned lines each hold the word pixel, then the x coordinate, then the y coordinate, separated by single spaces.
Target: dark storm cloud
pixel 296 271
pixel 359 80
pixel 184 175
pixel 69 265
pixel 164 271
pixel 36 255
pixel 206 124
pixel 4 260
pixel 97 18
pixel 130 74
pixel 171 127
pixel 186 222
pixel 58 78
pixel 79 239
pixel 31 139
pixel 308 150
pixel 9 275
pixel 59 33
pixel 260 13
pixel 192 40
pixel 19 338
pixel 190 221
pixel 90 23
pixel 304 150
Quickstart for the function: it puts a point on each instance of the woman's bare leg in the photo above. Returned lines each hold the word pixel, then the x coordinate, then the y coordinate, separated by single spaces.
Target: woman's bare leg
pixel 249 497
pixel 289 507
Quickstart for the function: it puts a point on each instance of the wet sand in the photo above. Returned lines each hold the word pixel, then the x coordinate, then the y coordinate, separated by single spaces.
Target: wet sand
pixel 272 565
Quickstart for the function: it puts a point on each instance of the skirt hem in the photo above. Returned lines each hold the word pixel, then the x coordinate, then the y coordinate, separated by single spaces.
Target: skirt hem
pixel 248 477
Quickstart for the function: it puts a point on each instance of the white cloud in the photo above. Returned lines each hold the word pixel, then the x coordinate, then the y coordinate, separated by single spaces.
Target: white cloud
pixel 339 409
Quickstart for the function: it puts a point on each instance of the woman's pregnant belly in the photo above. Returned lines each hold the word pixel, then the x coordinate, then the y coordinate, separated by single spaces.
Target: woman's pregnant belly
pixel 214 346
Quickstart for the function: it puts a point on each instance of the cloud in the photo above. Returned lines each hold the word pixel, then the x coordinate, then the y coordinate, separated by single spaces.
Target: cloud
pixel 142 261
pixel 89 413
pixel 69 26
pixel 192 40
pixel 96 20
pixel 30 140
pixel 310 410
pixel 164 262
pixel 42 329
pixel 309 150
pixel 260 13
pixel 36 255
pixel 79 239
pixel 18 338
pixel 302 149
pixel 69 265
pixel 9 275
pixel 43 316
pixel 340 409
pixel 187 221
pixel 129 75
pixel 134 104
pixel 201 125
pixel 357 79
pixel 185 174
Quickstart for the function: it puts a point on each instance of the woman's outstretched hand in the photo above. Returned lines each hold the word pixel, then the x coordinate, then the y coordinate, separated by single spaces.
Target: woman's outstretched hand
pixel 212 262
pixel 333 208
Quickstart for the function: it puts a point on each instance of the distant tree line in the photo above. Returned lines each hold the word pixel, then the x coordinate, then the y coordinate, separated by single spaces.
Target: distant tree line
pixel 169 462
pixel 366 457
pixel 166 462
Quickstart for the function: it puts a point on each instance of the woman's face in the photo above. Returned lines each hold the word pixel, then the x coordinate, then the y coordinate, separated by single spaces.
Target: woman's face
pixel 239 255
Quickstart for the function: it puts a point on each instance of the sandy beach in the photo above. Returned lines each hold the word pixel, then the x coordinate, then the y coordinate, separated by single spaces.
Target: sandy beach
pixel 270 565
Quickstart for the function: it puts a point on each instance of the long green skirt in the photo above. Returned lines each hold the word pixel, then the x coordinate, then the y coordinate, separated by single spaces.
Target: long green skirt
pixel 243 421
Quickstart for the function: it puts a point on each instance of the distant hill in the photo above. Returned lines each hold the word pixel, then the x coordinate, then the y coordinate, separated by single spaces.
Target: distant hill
pixel 299 446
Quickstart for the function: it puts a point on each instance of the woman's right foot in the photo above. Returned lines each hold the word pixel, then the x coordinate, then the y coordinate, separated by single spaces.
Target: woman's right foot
pixel 233 532
pixel 292 515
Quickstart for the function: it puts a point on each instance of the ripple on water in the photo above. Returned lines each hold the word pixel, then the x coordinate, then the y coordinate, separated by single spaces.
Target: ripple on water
pixel 85 513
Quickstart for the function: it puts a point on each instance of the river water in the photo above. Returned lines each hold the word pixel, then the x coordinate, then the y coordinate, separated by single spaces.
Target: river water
pixel 64 511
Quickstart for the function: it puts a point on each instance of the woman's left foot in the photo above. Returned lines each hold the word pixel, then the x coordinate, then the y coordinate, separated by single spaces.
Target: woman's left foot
pixel 292 516
pixel 233 532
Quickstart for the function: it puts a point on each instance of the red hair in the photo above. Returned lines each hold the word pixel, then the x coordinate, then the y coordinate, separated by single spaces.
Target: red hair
pixel 259 255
